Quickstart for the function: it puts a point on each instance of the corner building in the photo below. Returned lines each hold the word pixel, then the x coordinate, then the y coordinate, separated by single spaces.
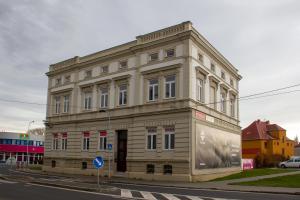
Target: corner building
pixel 167 102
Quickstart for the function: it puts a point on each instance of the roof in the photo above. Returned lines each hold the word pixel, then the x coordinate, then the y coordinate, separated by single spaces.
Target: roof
pixel 258 130
pixel 297 146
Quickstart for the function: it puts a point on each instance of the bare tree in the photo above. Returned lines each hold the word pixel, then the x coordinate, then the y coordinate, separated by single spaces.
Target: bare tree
pixel 37 131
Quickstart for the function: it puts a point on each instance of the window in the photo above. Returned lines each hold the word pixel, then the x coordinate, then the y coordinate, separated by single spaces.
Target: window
pixel 102 140
pixel 122 94
pixel 169 138
pixel 64 141
pixel 170 86
pixel 58 81
pixel 103 97
pixel 66 103
pixel 170 53
pixel 153 56
pixel 84 165
pixel 200 57
pixel 88 73
pixel 266 144
pixel 123 64
pixel 86 141
pixel 200 90
pixel 223 102
pixel 87 100
pixel 223 76
pixel 231 82
pixel 57 105
pixel 150 169
pixel 232 106
pixel 104 69
pixel 151 139
pixel 212 67
pixel 153 90
pixel 168 169
pixel 212 100
pixel 55 142
pixel 67 79
pixel 53 163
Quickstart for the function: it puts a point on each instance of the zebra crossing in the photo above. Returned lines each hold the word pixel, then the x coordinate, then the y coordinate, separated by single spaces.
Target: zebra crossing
pixel 133 194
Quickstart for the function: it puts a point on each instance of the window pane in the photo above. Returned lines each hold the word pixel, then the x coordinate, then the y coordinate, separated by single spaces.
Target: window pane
pixel 149 142
pixel 173 90
pixel 172 141
pixel 156 91
pixel 166 141
pixel 150 93
pixel 125 97
pixel 154 141
pixel 167 90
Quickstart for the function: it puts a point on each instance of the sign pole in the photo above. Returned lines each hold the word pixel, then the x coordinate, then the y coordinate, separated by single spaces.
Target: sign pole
pixel 98 179
pixel 109 164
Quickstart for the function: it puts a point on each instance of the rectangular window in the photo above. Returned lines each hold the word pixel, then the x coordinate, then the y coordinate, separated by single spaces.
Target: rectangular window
pixel 170 53
pixel 200 57
pixel 170 86
pixel 66 103
pixel 123 64
pixel 150 169
pixel 169 138
pixel 103 97
pixel 84 165
pixel 57 105
pixel 67 79
pixel 231 82
pixel 64 141
pixel 122 95
pixel 200 90
pixel 151 139
pixel 87 100
pixel 223 102
pixel 86 141
pixel 232 106
pixel 58 81
pixel 102 140
pixel 104 69
pixel 153 90
pixel 212 67
pixel 88 73
pixel 168 169
pixel 55 142
pixel 223 76
pixel 212 99
pixel 153 56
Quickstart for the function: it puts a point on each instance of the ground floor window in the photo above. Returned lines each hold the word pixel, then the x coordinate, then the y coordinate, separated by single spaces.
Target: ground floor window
pixel 150 169
pixel 168 169
pixel 84 165
pixel 53 163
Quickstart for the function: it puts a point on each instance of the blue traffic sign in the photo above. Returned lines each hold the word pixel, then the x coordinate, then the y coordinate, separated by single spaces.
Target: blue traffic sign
pixel 109 146
pixel 98 162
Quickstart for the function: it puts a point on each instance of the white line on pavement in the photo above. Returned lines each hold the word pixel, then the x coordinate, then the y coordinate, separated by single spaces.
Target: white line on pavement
pixel 4 181
pixel 194 198
pixel 148 195
pixel 126 193
pixel 170 196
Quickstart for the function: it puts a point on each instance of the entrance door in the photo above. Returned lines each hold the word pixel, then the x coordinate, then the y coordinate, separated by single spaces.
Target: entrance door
pixel 122 150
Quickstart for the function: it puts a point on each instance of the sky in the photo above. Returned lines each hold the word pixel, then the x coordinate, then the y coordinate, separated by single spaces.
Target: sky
pixel 259 37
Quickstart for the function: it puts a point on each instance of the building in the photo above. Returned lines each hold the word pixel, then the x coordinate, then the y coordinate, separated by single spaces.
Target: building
pixel 267 141
pixel 15 145
pixel 167 102
pixel 297 150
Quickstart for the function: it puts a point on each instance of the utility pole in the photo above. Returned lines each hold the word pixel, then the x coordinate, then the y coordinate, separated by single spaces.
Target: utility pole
pixel 28 143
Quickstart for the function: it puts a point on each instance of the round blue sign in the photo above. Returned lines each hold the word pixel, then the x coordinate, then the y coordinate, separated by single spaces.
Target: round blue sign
pixel 98 162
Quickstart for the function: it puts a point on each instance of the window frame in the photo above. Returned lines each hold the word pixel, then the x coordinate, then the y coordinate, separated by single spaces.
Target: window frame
pixel 151 58
pixel 55 142
pixel 151 134
pixel 57 100
pixel 66 107
pixel 167 53
pixel 123 95
pixel 102 141
pixel 105 71
pixel 170 84
pixel 105 97
pixel 86 141
pixel 223 101
pixel 200 90
pixel 87 100
pixel 153 93
pixel 169 134
pixel 123 64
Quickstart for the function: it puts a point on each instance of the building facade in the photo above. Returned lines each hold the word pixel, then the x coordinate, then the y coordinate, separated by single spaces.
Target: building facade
pixel 267 141
pixel 167 102
pixel 14 145
pixel 297 149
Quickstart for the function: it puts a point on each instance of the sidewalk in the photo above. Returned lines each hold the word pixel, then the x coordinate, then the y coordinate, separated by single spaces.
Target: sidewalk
pixel 90 183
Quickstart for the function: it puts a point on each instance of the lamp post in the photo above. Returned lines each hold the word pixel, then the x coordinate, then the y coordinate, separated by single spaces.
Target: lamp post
pixel 27 161
pixel 108 113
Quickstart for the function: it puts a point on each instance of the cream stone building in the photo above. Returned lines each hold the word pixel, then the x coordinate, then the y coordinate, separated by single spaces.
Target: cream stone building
pixel 167 102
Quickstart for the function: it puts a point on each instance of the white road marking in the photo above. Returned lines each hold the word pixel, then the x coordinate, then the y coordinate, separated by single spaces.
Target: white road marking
pixel 126 193
pixel 4 181
pixel 148 195
pixel 194 198
pixel 170 196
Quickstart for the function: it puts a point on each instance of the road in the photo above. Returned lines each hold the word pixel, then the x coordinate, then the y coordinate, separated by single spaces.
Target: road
pixel 10 190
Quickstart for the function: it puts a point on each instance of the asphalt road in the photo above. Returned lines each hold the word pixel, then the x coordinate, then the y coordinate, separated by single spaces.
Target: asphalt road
pixel 18 190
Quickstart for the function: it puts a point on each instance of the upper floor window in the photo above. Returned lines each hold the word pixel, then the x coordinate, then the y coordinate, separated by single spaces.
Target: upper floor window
pixel 223 76
pixel 200 90
pixel 153 56
pixel 212 97
pixel 103 97
pixel 64 141
pixel 57 104
pixel 231 82
pixel 88 73
pixel 67 79
pixel 55 141
pixel 122 94
pixel 104 69
pixel 151 139
pixel 123 64
pixel 212 67
pixel 200 57
pixel 170 86
pixel 223 102
pixel 169 138
pixel 58 81
pixel 153 89
pixel 87 100
pixel 66 103
pixel 170 53
pixel 86 141
pixel 102 140
pixel 232 106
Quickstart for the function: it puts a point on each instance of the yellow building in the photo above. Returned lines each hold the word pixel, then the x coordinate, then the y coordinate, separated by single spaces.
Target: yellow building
pixel 267 142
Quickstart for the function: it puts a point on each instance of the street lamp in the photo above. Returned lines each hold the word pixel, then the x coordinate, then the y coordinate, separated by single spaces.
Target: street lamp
pixel 27 161
pixel 108 113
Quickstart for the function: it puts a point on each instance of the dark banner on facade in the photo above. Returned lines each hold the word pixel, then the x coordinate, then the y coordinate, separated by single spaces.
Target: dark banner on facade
pixel 216 148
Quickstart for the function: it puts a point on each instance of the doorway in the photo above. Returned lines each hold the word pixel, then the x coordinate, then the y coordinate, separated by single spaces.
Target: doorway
pixel 121 150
